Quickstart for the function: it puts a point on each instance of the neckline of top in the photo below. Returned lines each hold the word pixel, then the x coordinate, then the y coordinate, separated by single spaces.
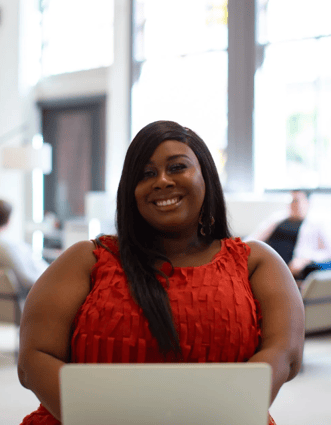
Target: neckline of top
pixel 166 266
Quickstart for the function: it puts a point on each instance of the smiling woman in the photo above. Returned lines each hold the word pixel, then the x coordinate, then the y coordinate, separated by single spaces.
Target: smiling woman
pixel 172 191
pixel 171 286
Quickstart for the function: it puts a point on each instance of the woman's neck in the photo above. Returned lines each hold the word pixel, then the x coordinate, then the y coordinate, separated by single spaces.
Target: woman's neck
pixel 171 246
pixel 190 250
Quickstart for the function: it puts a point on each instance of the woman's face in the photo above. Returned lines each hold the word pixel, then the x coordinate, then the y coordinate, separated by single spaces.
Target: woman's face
pixel 171 193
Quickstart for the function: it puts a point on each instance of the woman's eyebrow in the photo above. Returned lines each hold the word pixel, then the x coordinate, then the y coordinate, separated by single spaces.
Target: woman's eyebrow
pixel 171 158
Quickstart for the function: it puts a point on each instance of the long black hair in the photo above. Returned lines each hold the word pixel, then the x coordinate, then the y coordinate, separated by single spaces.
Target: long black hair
pixel 136 237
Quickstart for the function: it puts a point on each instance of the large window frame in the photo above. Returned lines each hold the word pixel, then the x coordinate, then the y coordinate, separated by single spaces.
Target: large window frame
pixel 241 66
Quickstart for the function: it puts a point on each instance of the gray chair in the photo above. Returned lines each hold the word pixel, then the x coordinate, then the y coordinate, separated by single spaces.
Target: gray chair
pixel 10 300
pixel 316 294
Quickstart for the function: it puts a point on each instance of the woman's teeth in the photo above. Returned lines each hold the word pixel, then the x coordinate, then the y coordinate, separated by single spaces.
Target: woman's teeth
pixel 167 202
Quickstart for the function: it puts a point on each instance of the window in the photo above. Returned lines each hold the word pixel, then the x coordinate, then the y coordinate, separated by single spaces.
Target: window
pixel 180 67
pixel 292 94
pixel 76 35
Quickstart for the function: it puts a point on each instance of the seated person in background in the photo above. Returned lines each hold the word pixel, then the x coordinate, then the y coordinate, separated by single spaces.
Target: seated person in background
pixel 299 238
pixel 18 256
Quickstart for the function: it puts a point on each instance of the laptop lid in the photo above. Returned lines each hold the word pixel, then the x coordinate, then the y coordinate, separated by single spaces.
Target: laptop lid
pixel 165 394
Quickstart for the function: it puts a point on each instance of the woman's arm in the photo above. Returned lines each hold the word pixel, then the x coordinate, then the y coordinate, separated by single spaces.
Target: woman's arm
pixel 46 324
pixel 282 308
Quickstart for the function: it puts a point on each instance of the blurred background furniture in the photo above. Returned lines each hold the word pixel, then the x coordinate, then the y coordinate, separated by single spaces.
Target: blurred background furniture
pixel 316 294
pixel 11 302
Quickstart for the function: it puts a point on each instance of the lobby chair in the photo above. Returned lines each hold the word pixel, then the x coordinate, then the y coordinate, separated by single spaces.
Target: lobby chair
pixel 10 302
pixel 316 294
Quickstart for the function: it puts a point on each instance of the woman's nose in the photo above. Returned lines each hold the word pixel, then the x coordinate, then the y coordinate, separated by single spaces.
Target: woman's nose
pixel 162 181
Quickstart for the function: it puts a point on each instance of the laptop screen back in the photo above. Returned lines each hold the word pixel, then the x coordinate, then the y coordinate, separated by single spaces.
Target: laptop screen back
pixel 165 394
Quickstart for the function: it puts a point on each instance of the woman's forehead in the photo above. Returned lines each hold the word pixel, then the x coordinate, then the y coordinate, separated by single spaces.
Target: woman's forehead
pixel 170 149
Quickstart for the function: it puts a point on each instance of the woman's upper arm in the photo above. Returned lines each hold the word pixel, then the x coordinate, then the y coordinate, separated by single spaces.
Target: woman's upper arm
pixel 281 303
pixel 53 302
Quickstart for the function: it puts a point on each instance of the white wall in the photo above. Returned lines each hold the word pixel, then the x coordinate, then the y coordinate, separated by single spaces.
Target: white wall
pixel 11 182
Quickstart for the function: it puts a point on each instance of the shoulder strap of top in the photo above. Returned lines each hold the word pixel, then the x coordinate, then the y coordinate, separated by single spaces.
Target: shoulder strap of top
pixel 237 244
pixel 108 242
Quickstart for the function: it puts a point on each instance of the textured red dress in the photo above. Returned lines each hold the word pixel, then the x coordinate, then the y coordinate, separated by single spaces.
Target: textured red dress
pixel 217 317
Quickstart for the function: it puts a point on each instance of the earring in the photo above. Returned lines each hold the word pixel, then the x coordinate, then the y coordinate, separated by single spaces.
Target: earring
pixel 210 225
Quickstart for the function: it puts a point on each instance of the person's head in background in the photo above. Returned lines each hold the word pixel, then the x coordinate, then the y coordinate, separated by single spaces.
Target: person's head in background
pixel 5 212
pixel 300 204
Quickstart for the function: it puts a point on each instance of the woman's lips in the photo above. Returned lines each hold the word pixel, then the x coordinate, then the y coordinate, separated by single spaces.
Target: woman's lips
pixel 168 203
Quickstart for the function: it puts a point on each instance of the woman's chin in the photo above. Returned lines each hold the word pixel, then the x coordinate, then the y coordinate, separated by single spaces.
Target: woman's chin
pixel 174 230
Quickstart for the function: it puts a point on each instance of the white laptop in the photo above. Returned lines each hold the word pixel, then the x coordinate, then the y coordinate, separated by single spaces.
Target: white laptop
pixel 165 394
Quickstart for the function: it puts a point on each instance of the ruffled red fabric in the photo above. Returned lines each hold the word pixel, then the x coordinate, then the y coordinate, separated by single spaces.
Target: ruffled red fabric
pixel 216 315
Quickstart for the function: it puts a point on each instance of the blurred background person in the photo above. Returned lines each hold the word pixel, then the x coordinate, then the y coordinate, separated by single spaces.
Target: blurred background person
pixel 300 238
pixel 18 256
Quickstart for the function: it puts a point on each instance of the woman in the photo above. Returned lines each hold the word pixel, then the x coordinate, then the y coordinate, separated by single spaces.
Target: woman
pixel 173 286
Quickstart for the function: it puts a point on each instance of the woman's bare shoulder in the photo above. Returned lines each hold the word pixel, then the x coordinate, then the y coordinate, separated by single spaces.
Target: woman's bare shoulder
pixel 259 252
pixel 68 275
pixel 79 254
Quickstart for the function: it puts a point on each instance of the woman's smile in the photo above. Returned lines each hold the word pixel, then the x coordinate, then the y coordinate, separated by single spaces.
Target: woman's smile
pixel 164 203
pixel 168 203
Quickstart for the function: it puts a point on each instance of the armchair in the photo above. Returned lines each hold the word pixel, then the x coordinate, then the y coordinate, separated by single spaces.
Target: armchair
pixel 316 294
pixel 10 308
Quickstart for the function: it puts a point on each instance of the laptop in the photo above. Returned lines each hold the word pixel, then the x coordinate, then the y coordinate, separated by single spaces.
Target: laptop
pixel 165 394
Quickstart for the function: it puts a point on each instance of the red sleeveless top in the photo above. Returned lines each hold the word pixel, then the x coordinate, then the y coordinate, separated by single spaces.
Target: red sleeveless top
pixel 215 313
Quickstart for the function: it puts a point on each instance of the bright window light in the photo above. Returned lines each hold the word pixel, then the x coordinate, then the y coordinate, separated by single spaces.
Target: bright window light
pixel 37 243
pixel 181 68
pixel 292 95
pixel 94 228
pixel 76 35
pixel 37 195
pixel 37 141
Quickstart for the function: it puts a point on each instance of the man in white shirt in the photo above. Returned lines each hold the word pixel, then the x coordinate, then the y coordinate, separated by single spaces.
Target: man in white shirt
pixel 302 240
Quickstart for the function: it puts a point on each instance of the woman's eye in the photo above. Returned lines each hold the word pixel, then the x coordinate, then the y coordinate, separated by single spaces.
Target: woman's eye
pixel 148 173
pixel 177 167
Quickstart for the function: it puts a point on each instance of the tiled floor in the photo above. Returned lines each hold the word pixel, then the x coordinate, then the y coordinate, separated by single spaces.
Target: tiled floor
pixel 15 401
pixel 306 400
